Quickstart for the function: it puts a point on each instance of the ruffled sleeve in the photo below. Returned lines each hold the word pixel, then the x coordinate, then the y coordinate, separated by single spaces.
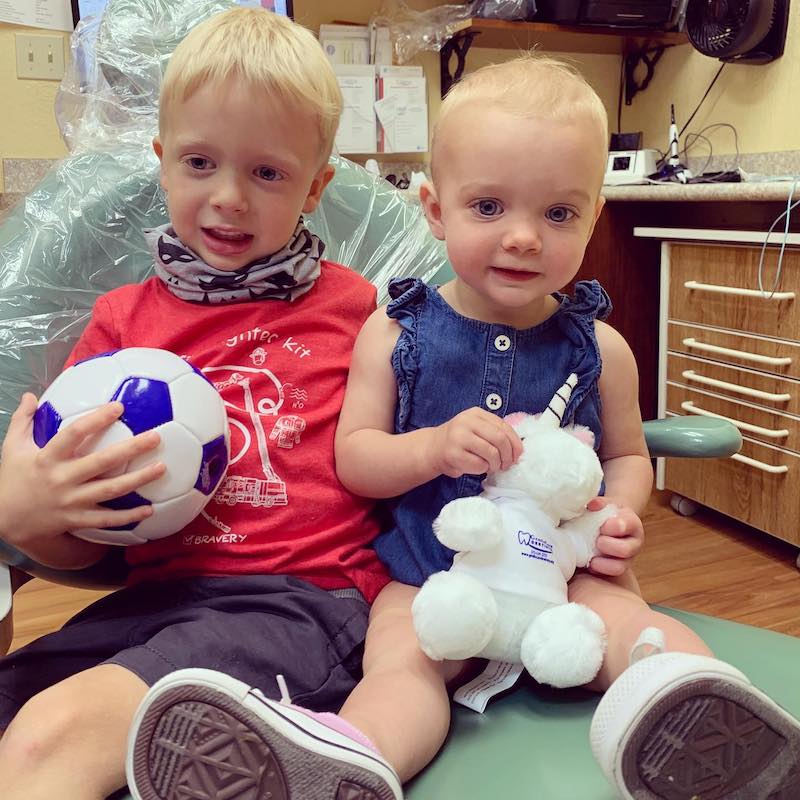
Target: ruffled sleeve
pixel 408 296
pixel 590 300
pixel 576 318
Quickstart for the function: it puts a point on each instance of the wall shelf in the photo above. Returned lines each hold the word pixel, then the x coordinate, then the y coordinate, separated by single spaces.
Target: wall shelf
pixel 551 37
pixel 565 38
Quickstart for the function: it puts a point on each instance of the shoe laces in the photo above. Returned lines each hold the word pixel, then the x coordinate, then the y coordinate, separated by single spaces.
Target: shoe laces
pixel 650 642
pixel 286 698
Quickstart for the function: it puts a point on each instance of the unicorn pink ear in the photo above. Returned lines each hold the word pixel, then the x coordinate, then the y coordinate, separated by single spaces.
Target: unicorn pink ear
pixel 582 434
pixel 514 419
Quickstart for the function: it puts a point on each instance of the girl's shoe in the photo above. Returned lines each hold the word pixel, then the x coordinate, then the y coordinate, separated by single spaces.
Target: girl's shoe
pixel 676 726
pixel 202 734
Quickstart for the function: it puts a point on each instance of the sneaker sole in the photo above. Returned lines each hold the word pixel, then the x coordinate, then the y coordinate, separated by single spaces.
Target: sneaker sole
pixel 712 739
pixel 200 743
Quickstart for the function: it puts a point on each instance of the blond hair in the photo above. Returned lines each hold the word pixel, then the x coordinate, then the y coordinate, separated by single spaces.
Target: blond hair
pixel 268 51
pixel 531 85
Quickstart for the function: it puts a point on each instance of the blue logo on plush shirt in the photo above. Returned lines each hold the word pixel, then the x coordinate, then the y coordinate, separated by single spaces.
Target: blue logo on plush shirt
pixel 540 549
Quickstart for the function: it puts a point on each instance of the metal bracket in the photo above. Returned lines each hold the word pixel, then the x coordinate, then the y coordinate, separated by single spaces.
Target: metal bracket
pixel 648 56
pixel 459 45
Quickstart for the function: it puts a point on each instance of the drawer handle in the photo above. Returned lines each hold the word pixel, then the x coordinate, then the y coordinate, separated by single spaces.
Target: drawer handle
pixel 742 426
pixel 691 375
pixel 752 462
pixel 693 344
pixel 712 287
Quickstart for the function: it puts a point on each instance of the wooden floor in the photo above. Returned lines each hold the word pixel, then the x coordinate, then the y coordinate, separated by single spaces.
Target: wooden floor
pixel 705 563
pixel 711 564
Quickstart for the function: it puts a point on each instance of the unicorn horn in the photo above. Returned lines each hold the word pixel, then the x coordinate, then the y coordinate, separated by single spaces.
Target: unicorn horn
pixel 558 404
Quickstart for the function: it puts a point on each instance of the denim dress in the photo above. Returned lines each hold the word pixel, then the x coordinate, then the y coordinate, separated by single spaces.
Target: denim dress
pixel 445 363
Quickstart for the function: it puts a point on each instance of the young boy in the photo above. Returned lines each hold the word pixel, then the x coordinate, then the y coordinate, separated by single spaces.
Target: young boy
pixel 274 578
pixel 518 159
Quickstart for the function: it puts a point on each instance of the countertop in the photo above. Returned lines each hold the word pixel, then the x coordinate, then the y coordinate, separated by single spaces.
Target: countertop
pixel 696 192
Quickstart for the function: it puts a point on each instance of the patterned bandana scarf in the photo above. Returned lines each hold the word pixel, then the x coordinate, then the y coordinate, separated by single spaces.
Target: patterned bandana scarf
pixel 284 275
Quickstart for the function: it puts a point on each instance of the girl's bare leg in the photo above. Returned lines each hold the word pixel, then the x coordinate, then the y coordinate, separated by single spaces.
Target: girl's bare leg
pixel 401 704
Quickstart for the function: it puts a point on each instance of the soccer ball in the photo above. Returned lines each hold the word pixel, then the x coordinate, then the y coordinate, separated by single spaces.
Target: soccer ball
pixel 160 391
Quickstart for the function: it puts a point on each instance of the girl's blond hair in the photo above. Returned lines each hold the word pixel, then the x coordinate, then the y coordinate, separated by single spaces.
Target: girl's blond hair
pixel 531 85
pixel 268 51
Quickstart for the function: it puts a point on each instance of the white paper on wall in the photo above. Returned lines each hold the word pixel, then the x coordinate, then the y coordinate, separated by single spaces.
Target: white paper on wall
pixel 55 15
pixel 346 44
pixel 380 44
pixel 357 127
pixel 402 110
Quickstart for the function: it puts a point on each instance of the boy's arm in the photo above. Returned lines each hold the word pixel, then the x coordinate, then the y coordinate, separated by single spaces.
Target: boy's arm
pixel 44 492
pixel 623 453
pixel 99 335
pixel 373 461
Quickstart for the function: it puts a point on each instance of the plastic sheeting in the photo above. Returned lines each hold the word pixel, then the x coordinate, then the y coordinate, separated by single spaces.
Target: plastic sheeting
pixel 109 96
pixel 412 31
pixel 505 9
pixel 78 234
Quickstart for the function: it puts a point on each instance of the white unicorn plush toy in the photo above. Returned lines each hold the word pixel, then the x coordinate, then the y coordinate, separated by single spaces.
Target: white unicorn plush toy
pixel 518 543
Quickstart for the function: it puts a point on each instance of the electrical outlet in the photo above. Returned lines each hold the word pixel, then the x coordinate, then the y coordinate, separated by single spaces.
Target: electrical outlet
pixel 40 56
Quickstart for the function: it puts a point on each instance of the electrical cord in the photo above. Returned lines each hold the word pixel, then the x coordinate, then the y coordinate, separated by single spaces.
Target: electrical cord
pixel 702 99
pixel 790 206
pixel 691 139
pixel 688 145
pixel 696 109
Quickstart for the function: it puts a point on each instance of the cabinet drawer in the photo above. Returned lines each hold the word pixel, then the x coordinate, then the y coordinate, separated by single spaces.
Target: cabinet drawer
pixel 739 384
pixel 729 267
pixel 766 500
pixel 782 358
pixel 756 423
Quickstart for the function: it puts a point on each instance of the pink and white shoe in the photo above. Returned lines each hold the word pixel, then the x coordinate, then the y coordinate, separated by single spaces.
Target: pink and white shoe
pixel 202 734
pixel 676 726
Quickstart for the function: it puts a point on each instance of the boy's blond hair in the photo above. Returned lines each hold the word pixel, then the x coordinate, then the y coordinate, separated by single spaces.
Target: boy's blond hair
pixel 531 85
pixel 268 51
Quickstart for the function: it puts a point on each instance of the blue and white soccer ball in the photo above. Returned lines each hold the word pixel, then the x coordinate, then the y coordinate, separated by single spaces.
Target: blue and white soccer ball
pixel 160 391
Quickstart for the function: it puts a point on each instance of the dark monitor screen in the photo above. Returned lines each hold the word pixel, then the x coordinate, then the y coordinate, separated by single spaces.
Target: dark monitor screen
pixel 621 162
pixel 87 8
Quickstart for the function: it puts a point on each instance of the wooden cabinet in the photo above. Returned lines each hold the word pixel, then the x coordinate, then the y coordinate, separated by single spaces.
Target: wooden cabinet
pixel 729 346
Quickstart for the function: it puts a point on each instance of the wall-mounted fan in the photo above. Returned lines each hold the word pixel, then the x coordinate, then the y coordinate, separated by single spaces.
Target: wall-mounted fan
pixel 740 31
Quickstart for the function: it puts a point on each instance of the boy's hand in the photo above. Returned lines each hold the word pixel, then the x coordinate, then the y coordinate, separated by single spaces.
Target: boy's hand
pixel 474 442
pixel 45 492
pixel 620 539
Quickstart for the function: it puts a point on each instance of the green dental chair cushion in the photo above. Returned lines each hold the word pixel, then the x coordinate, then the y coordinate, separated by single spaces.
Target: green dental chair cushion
pixel 533 744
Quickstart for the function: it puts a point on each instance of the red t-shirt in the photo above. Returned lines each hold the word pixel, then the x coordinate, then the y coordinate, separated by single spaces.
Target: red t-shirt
pixel 281 368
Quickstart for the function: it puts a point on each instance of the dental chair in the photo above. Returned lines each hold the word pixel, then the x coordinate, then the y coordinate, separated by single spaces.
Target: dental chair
pixel 78 234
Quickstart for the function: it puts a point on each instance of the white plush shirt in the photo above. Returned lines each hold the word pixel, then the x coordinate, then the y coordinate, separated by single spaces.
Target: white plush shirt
pixel 535 557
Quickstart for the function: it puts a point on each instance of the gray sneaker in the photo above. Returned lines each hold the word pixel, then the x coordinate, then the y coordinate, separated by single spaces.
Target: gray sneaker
pixel 202 734
pixel 676 726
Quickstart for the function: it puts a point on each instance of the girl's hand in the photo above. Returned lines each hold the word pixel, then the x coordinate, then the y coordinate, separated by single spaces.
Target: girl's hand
pixel 620 539
pixel 472 443
pixel 45 492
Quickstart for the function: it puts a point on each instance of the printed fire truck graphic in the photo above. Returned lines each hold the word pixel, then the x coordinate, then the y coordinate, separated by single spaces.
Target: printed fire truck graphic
pixel 269 490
